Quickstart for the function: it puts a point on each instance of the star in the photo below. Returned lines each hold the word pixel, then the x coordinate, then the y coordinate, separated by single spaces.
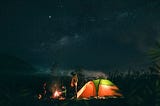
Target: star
pixel 49 16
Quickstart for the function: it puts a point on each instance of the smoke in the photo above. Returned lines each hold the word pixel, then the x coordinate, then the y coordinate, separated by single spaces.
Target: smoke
pixel 94 74
pixel 67 72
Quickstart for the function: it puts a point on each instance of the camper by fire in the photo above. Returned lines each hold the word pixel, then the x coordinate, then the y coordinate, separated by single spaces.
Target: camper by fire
pixel 98 88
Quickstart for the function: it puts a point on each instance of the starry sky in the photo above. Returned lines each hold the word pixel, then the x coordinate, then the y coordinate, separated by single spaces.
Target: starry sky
pixel 94 34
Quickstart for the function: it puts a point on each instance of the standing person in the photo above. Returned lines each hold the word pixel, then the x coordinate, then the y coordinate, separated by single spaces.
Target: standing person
pixel 74 83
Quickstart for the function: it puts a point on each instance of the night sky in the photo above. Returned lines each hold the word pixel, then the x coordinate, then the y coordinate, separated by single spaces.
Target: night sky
pixel 94 34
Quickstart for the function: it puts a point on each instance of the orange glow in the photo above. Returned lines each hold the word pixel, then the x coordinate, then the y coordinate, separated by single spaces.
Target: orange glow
pixel 56 94
pixel 87 91
pixel 108 91
pixel 39 96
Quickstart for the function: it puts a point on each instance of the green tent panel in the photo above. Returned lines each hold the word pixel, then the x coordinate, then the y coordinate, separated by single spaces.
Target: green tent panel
pixel 103 82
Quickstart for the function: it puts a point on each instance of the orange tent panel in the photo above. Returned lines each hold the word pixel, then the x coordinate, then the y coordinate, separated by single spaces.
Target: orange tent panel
pixel 88 90
pixel 105 90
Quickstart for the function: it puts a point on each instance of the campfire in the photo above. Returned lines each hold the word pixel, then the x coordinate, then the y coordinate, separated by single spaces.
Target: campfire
pixel 52 91
pixel 56 94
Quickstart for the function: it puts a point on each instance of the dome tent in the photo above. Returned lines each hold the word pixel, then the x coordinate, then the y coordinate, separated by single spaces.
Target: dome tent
pixel 98 88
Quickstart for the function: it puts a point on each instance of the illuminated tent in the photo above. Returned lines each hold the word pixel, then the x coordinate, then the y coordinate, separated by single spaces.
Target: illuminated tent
pixel 98 88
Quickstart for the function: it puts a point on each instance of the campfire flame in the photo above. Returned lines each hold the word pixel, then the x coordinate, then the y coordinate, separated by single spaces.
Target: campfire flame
pixel 56 94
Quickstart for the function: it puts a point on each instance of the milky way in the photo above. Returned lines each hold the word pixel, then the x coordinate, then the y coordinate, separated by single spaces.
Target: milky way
pixel 89 33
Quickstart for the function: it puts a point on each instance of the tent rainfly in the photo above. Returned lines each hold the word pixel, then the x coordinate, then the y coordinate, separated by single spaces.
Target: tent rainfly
pixel 98 88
